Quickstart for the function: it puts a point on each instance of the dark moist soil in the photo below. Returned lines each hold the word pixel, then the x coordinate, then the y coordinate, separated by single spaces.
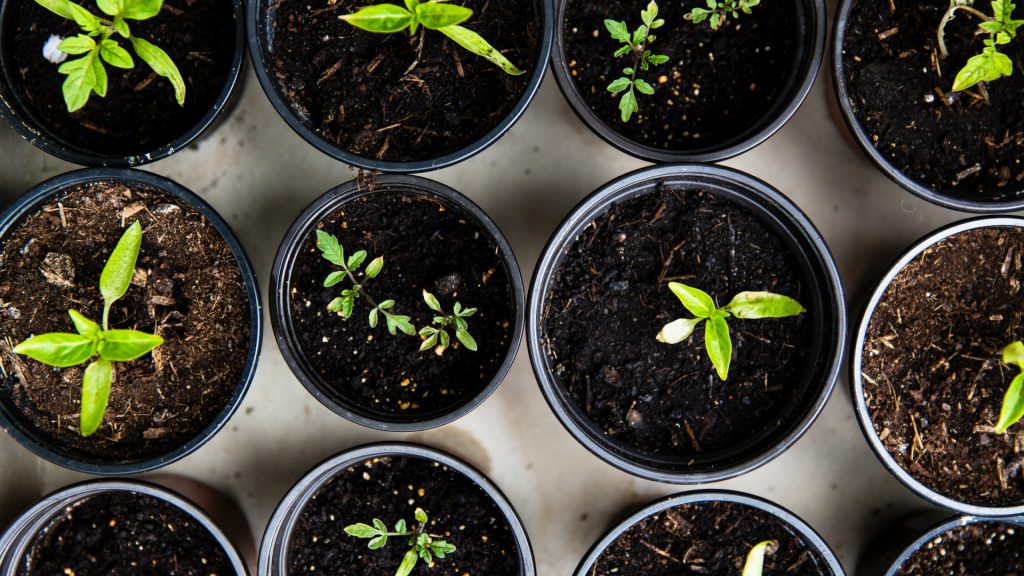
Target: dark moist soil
pixel 978 549
pixel 139 113
pixel 707 538
pixel 391 489
pixel 716 86
pixel 361 92
pixel 187 288
pixel 956 143
pixel 610 298
pixel 122 533
pixel 428 245
pixel 933 378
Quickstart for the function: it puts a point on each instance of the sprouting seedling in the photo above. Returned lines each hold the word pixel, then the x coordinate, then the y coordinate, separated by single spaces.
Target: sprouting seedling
pixel 1012 410
pixel 345 304
pixel 745 306
pixel 638 44
pixel 63 349
pixel 1001 28
pixel 457 319
pixel 422 545
pixel 431 15
pixel 754 566
pixel 719 11
pixel 96 45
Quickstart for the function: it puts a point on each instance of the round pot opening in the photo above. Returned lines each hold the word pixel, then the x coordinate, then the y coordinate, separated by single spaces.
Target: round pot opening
pixel 947 545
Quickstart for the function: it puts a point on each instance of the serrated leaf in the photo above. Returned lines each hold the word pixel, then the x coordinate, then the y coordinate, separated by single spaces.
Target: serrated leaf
pixel 95 395
pixel 466 339
pixel 617 29
pixel 58 349
pixel 623 50
pixel 477 45
pixel 374 267
pixel 126 345
pixel 627 105
pixel 698 302
pixel 330 248
pixel 678 330
pixel 435 15
pixel 83 78
pixel 639 34
pixel 755 305
pixel 161 63
pixel 380 18
pixel 658 59
pixel 120 267
pixel 718 344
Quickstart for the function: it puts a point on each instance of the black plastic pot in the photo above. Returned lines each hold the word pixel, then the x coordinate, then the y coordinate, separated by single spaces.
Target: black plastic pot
pixel 810 50
pixel 826 305
pixel 260 17
pixel 274 548
pixel 857 382
pixel 20 117
pixel 46 447
pixel 280 310
pixel 19 535
pixel 808 534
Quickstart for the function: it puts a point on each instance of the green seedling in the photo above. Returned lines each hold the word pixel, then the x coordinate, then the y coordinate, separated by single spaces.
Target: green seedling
pixel 432 336
pixel 1013 402
pixel 431 15
pixel 1000 29
pixel 745 306
pixel 422 545
pixel 754 566
pixel 62 350
pixel 638 45
pixel 97 44
pixel 344 305
pixel 718 11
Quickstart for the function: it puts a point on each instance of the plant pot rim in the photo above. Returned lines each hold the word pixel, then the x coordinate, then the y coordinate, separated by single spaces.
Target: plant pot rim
pixel 39 195
pixel 776 117
pixel 259 50
pixel 866 146
pixel 857 382
pixel 16 538
pixel 812 538
pixel 273 548
pixel 770 203
pixel 280 311
pixel 940 528
pixel 45 142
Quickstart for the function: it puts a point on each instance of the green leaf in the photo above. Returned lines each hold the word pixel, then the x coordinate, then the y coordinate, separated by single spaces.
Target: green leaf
pixel 425 554
pixel 627 105
pixel 329 247
pixel 380 525
pixel 623 50
pixel 421 516
pixel 1012 410
pixel 58 349
pixel 429 342
pixel 122 27
pixel 431 301
pixel 95 395
pixel 141 9
pixel 466 339
pixel 754 566
pixel 461 324
pixel 336 305
pixel 435 15
pixel 83 325
pixel 334 278
pixel 162 64
pixel 408 563
pixel 126 345
pixel 697 15
pixel 361 530
pixel 649 14
pixel 373 318
pixel 718 344
pixel 396 322
pixel 639 34
pixel 400 526
pixel 356 260
pixel 378 542
pixel 440 548
pixel 374 267
pixel 442 335
pixel 465 313
pixel 477 45
pixel 120 267
pixel 618 30
pixel 619 84
pixel 643 87
pixel 698 302
pixel 380 18
pixel 109 7
pixel 115 55
pixel 755 305
pixel 1014 354
pixel 657 59
pixel 71 11
pixel 83 79
pixel 988 66
pixel 77 44
pixel 678 330
pixel 348 305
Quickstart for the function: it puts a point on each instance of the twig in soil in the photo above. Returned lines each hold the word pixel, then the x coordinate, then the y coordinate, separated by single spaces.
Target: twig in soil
pixel 419 53
pixel 660 552
pixel 693 438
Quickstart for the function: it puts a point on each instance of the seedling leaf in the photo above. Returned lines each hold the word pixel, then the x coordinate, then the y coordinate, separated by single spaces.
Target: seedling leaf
pixel 126 345
pixel 756 305
pixel 477 45
pixel 58 349
pixel 698 302
pixel 754 565
pixel 162 64
pixel 678 330
pixel 95 395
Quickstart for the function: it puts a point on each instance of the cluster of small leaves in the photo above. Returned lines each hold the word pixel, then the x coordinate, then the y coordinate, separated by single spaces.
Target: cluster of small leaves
pixel 432 15
pixel 422 545
pixel 719 11
pixel 96 44
pixel 1012 410
pixel 457 319
pixel 638 44
pixel 754 565
pixel 63 350
pixel 1001 28
pixel 745 306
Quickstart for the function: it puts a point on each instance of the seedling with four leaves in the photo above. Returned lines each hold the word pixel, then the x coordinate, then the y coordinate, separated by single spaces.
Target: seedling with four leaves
pixel 1012 410
pixel 754 565
pixel 431 15
pixel 718 11
pixel 1001 28
pixel 63 350
pixel 422 545
pixel 97 44
pixel 457 319
pixel 745 306
pixel 638 45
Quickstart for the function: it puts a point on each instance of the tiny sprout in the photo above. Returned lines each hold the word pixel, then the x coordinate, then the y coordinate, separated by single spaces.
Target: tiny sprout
pixel 754 566
pixel 62 350
pixel 1001 28
pixel 87 75
pixel 745 306
pixel 457 318
pixel 638 44
pixel 432 15
pixel 1013 402
pixel 718 11
pixel 422 545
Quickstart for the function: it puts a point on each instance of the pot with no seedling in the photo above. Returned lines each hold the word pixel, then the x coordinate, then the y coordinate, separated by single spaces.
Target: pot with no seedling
pixel 686 323
pixel 115 527
pixel 403 87
pixel 131 321
pixel 926 90
pixel 395 508
pixel 715 531
pixel 117 83
pixel 397 304
pixel 692 82
pixel 936 368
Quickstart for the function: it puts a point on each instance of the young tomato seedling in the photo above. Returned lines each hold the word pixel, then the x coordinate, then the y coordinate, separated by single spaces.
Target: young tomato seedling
pixel 1013 402
pixel 97 44
pixel 422 545
pixel 719 11
pixel 431 15
pixel 754 566
pixel 745 306
pixel 63 349
pixel 457 318
pixel 1001 28
pixel 638 45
